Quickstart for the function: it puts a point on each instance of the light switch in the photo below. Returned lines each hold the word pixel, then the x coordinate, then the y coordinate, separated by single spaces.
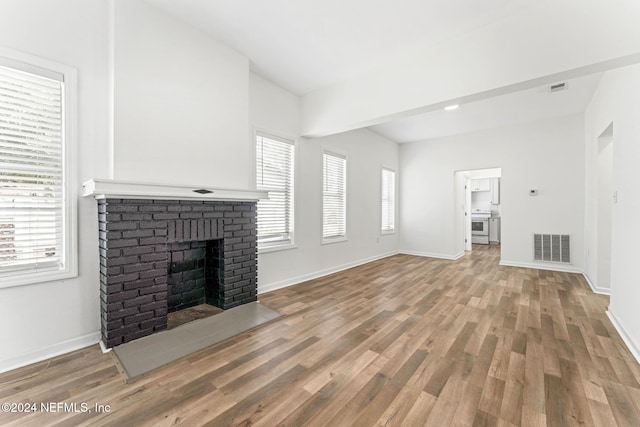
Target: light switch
pixel 533 192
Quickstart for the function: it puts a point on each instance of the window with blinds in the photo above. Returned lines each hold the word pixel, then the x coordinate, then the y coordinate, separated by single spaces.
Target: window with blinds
pixel 387 203
pixel 334 196
pixel 274 174
pixel 33 214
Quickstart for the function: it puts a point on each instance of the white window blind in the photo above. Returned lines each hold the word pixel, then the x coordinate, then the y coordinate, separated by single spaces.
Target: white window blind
pixel 334 196
pixel 388 193
pixel 31 170
pixel 274 174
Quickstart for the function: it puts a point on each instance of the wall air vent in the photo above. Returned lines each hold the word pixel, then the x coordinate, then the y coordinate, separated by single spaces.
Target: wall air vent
pixel 552 248
pixel 558 87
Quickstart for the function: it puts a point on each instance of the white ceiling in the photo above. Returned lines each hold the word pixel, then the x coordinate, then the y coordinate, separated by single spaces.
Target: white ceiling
pixel 305 45
pixel 513 108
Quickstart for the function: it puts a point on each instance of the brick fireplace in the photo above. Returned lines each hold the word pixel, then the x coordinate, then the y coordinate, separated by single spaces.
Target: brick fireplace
pixel 159 255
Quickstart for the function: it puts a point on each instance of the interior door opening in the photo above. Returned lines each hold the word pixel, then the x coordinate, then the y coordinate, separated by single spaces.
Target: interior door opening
pixel 480 213
pixel 606 199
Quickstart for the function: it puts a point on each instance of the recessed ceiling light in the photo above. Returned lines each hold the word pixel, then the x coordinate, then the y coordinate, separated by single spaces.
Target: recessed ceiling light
pixel 452 107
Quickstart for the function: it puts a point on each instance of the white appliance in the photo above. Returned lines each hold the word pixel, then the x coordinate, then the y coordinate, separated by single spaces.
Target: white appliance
pixel 494 230
pixel 480 225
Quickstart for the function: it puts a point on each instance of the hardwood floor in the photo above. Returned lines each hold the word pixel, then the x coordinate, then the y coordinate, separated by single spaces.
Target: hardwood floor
pixel 402 341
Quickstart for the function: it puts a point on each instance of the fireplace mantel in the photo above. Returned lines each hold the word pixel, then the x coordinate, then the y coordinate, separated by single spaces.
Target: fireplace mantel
pixel 114 189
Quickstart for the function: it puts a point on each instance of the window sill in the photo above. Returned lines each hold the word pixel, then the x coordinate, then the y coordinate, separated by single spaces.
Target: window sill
pixel 334 240
pixel 277 248
pixel 33 278
pixel 386 233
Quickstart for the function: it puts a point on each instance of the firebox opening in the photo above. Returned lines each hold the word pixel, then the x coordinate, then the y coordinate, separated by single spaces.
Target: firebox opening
pixel 193 278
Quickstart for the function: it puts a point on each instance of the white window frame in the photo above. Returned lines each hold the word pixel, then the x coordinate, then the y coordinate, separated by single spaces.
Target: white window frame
pixel 284 244
pixel 384 230
pixel 68 267
pixel 343 237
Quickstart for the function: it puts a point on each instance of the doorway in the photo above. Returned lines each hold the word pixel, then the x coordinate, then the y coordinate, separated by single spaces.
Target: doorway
pixel 479 191
pixel 606 199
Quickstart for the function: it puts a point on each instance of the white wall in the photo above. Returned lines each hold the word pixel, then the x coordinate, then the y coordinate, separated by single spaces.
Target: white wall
pixel 617 101
pixel 276 110
pixel 181 103
pixel 37 321
pixel 272 108
pixel 546 155
pixel 483 62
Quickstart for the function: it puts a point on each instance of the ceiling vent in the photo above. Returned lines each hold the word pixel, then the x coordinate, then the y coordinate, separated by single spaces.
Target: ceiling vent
pixel 558 87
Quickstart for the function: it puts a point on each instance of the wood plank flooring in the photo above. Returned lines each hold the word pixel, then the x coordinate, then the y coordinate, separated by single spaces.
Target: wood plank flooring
pixel 404 341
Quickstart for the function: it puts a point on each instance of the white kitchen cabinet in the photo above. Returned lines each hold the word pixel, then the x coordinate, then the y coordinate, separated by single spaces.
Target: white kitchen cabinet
pixel 494 230
pixel 483 184
pixel 495 191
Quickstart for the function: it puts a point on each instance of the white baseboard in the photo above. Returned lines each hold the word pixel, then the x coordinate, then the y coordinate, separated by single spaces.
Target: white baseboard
pixel 104 347
pixel 433 255
pixel 295 280
pixel 632 345
pixel 49 352
pixel 595 289
pixel 542 266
